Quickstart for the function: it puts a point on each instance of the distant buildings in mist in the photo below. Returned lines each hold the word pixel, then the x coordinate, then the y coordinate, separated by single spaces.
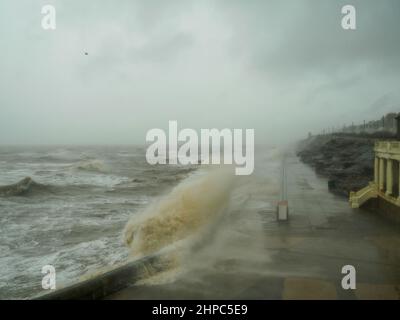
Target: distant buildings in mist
pixel 385 124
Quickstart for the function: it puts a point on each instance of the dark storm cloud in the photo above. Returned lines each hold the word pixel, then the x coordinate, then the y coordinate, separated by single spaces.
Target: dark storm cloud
pixel 275 66
pixel 296 38
pixel 164 50
pixel 302 46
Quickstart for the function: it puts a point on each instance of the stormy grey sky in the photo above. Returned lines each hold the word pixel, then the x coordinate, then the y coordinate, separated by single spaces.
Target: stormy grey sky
pixel 281 67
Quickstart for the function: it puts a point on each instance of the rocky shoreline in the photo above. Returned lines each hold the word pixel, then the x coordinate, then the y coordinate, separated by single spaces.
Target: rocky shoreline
pixel 346 160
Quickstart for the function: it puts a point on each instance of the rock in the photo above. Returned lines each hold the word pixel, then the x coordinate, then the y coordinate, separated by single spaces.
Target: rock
pixel 346 161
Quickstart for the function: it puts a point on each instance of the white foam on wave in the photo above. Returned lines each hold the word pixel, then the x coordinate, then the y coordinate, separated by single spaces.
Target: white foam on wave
pixel 190 206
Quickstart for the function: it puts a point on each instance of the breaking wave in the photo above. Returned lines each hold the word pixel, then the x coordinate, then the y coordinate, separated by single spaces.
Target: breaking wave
pixel 29 187
pixel 22 187
pixel 193 204
pixel 91 165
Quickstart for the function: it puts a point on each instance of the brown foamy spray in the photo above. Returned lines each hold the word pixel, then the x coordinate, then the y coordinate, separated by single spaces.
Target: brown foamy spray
pixel 188 208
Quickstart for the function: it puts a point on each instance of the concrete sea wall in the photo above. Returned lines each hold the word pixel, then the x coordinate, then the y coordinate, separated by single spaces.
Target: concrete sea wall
pixel 109 282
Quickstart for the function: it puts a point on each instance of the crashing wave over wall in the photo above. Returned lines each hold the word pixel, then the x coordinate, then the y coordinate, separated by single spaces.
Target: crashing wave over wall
pixel 195 203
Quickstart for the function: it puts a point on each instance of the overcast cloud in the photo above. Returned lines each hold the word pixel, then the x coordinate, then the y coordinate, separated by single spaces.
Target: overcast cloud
pixel 281 67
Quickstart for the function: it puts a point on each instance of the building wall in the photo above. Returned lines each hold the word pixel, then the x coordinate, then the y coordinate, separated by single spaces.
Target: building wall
pixel 384 208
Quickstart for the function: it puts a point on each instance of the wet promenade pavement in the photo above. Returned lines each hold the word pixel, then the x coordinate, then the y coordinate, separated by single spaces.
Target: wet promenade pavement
pixel 256 257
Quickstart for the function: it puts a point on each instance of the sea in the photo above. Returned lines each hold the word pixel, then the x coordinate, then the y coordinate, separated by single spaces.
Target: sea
pixel 83 209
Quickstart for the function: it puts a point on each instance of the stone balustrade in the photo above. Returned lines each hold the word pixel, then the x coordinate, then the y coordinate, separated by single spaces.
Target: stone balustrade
pixel 386 182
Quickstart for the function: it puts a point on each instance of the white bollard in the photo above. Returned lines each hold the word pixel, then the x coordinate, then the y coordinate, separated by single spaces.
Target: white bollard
pixel 283 210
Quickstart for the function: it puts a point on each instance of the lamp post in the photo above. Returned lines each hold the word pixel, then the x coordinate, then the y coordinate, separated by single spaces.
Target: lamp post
pixel 397 126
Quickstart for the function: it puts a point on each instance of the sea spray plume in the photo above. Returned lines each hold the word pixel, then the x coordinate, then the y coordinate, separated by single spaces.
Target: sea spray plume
pixel 191 205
